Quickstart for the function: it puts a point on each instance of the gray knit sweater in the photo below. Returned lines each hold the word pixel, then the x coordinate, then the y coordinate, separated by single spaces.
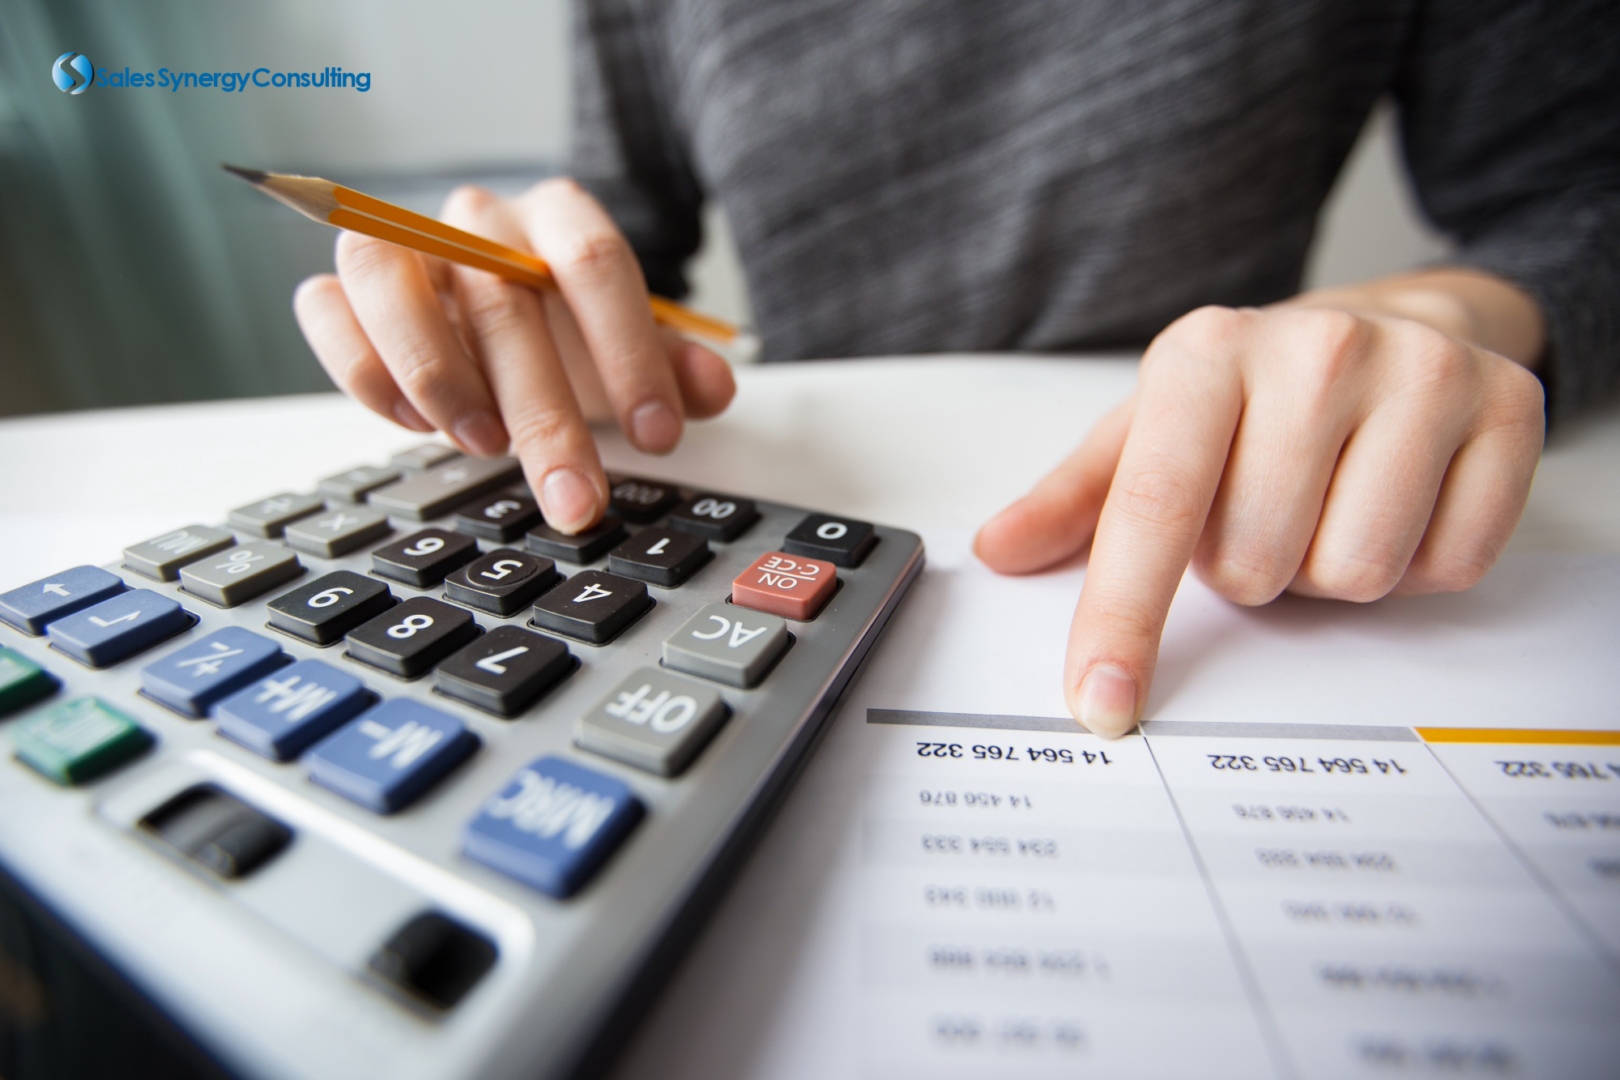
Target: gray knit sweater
pixel 946 175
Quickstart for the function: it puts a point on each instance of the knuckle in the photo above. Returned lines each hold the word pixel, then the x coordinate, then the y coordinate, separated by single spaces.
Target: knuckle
pixel 594 254
pixel 360 257
pixel 1436 364
pixel 1361 577
pixel 495 308
pixel 1251 576
pixel 1336 342
pixel 1204 335
pixel 1456 571
pixel 1161 495
pixel 467 201
pixel 422 373
pixel 543 430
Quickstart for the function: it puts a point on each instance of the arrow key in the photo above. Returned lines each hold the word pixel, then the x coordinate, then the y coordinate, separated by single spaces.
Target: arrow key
pixel 39 603
pixel 504 671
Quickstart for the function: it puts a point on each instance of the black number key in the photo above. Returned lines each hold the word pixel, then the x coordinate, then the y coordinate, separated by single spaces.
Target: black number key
pixel 581 548
pixel 412 637
pixel 592 606
pixel 641 500
pixel 660 556
pixel 841 541
pixel 498 517
pixel 718 517
pixel 502 582
pixel 330 606
pixel 505 670
pixel 424 558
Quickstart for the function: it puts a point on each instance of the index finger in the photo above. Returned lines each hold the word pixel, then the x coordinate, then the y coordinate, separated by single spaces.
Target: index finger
pixel 1186 415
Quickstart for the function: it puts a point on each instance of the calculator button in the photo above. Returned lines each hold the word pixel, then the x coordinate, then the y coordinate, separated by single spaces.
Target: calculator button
pixel 123 626
pixel 717 517
pixel 434 959
pixel 553 825
pixel 391 755
pixel 192 678
pixel 218 831
pixel 660 556
pixel 338 532
pixel 39 603
pixel 641 500
pixel 78 740
pixel 504 671
pixel 161 557
pixel 269 517
pixel 592 606
pixel 794 588
pixel 353 486
pixel 727 643
pixel 503 582
pixel 425 456
pixel 424 558
pixel 581 548
pixel 653 720
pixel 412 637
pixel 22 682
pixel 330 606
pixel 442 488
pixel 283 714
pixel 498 517
pixel 236 576
pixel 841 541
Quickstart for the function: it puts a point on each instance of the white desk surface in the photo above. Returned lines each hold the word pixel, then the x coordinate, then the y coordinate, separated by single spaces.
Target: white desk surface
pixel 939 442
pixel 932 443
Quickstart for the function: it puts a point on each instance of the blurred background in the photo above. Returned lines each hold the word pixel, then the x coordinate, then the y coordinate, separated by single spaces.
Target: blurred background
pixel 134 271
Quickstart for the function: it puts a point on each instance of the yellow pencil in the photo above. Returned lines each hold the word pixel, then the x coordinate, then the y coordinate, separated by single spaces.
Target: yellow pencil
pixel 333 204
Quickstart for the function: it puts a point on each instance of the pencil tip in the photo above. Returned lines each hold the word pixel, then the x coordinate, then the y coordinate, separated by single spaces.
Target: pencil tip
pixel 252 176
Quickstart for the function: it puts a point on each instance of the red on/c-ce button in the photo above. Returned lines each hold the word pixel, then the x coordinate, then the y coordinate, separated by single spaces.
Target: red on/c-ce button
pixel 787 585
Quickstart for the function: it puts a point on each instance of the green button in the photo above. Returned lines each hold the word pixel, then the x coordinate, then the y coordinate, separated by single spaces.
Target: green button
pixel 78 740
pixel 22 682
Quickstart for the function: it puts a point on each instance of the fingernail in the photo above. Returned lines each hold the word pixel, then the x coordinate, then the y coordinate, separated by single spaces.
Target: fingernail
pixel 567 499
pixel 481 433
pixel 654 426
pixel 407 415
pixel 1107 700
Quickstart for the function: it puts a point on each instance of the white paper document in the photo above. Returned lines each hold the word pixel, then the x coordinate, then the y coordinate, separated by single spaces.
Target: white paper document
pixel 1309 865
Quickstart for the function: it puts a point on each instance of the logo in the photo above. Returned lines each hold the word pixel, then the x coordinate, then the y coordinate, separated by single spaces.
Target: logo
pixel 73 72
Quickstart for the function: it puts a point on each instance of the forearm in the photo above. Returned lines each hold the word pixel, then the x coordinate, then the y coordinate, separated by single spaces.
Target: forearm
pixel 1478 308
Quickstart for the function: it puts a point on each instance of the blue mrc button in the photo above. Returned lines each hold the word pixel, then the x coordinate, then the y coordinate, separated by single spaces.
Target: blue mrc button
pixel 553 825
pixel 192 678
pixel 391 755
pixel 282 715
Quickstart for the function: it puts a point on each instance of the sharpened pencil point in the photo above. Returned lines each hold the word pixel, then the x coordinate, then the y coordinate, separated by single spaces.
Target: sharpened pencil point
pixel 252 176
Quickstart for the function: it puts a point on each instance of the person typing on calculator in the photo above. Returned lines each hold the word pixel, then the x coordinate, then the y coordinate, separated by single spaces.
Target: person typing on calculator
pixel 924 176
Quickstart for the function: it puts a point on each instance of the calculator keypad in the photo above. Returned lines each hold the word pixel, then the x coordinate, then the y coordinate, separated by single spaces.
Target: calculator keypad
pixel 412 637
pixel 660 557
pixel 268 518
pixel 285 713
pixel 338 532
pixel 238 575
pixel 36 605
pixel 22 682
pixel 727 643
pixel 112 630
pixel 78 740
pixel 327 608
pixel 442 488
pixel 354 485
pixel 424 558
pixel 389 757
pixel 641 501
pixel 580 548
pixel 504 671
pixel 785 585
pixel 653 720
pixel 191 679
pixel 840 541
pixel 498 517
pixel 715 517
pixel 592 606
pixel 161 557
pixel 503 582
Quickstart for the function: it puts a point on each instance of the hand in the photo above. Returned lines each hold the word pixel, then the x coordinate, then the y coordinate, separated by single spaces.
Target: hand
pixel 492 364
pixel 1325 447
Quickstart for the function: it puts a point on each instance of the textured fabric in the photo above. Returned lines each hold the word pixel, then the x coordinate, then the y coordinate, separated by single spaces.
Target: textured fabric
pixel 952 175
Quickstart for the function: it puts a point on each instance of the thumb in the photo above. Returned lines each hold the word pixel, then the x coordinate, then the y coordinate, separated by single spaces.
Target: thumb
pixel 1058 517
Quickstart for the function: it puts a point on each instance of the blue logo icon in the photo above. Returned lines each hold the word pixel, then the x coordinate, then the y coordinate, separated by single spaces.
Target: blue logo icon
pixel 73 72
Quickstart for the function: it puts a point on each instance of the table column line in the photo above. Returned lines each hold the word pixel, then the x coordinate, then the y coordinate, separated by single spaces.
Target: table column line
pixel 1272 1034
pixel 1570 912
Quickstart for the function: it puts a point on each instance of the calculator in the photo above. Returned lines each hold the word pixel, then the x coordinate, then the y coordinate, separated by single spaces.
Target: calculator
pixel 389 778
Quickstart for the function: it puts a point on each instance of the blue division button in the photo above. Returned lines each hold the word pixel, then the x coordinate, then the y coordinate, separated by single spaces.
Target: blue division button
pixel 40 603
pixel 553 825
pixel 193 678
pixel 391 755
pixel 284 714
pixel 113 629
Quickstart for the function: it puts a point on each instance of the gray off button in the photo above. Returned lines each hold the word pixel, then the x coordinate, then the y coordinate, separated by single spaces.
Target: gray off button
pixel 729 644
pixel 654 721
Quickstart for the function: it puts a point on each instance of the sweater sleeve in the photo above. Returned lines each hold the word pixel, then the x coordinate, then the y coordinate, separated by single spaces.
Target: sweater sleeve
pixel 627 151
pixel 1511 126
